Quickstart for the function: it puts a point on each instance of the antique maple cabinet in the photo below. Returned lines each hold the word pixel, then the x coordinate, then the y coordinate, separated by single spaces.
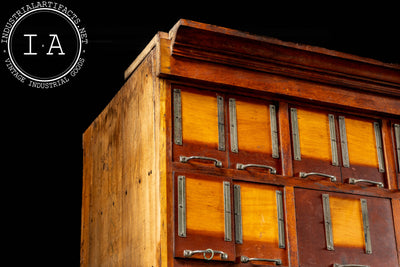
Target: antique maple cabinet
pixel 229 149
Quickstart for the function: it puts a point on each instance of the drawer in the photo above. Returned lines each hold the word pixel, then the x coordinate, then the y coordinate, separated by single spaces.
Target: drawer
pixel 364 149
pixel 344 229
pixel 314 142
pixel 198 125
pixel 260 224
pixel 253 133
pixel 203 218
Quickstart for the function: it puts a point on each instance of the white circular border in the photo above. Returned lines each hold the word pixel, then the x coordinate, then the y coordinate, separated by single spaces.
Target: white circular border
pixel 73 65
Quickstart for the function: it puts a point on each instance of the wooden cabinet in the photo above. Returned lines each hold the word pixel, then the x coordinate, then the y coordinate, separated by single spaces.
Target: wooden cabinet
pixel 229 149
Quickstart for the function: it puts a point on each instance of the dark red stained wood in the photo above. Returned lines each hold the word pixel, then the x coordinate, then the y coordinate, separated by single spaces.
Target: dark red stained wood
pixel 217 44
pixel 206 72
pixel 284 134
pixel 389 150
pixel 311 233
pixel 396 217
pixel 216 55
pixel 291 226
pixel 312 182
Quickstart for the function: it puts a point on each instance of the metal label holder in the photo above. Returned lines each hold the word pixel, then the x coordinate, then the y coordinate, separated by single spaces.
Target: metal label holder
pixel 295 134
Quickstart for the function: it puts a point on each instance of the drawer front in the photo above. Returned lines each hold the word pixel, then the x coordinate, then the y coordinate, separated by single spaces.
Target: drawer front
pixel 203 218
pixel 198 124
pixel 344 229
pixel 315 142
pixel 260 224
pixel 253 133
pixel 364 149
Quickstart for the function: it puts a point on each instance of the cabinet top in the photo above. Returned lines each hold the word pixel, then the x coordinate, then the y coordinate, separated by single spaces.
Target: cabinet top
pixel 218 44
pixel 206 35
pixel 200 42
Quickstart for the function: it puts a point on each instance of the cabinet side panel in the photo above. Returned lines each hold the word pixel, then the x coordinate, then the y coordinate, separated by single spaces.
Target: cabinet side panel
pixel 86 185
pixel 123 211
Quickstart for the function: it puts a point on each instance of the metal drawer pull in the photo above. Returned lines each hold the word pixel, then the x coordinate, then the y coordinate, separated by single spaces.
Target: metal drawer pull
pixel 189 253
pixel 349 265
pixel 245 259
pixel 355 181
pixel 184 159
pixel 306 174
pixel 241 166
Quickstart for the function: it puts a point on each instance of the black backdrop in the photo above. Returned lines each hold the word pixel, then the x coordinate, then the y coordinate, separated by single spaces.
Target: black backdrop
pixel 42 129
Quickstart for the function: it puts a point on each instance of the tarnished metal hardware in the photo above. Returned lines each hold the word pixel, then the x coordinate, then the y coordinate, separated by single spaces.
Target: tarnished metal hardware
pixel 238 214
pixel 295 134
pixel 397 137
pixel 189 253
pixel 181 206
pixel 328 222
pixel 227 211
pixel 233 125
pixel 245 259
pixel 240 166
pixel 332 130
pixel 367 235
pixel 343 142
pixel 274 132
pixel 306 174
pixel 221 123
pixel 379 147
pixel 177 117
pixel 355 181
pixel 185 159
pixel 281 220
pixel 349 265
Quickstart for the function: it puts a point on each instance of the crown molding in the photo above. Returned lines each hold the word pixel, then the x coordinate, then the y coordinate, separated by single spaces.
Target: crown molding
pixel 221 45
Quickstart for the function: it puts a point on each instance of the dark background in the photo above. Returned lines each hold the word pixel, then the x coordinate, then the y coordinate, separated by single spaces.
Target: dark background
pixel 42 129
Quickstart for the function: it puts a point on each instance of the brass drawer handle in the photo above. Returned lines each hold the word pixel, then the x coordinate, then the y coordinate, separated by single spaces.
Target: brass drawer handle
pixel 184 159
pixel 189 253
pixel 306 174
pixel 355 181
pixel 245 259
pixel 349 265
pixel 241 166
